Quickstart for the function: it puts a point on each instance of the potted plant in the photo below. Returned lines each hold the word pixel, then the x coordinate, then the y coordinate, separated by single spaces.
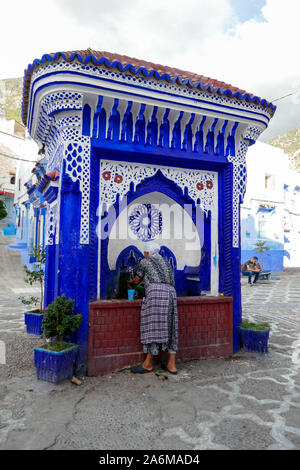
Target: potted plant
pixel 34 317
pixel 254 336
pixel 55 359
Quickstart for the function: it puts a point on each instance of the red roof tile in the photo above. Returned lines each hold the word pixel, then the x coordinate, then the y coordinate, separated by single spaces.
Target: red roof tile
pixel 52 175
pixel 161 72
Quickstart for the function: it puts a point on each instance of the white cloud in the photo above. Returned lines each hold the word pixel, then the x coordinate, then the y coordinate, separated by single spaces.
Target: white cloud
pixel 258 56
pixel 261 57
pixel 162 30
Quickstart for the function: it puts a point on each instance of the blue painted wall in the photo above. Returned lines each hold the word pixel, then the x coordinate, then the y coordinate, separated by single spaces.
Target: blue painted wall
pixel 161 184
pixel 72 267
pixel 274 262
pixel 273 258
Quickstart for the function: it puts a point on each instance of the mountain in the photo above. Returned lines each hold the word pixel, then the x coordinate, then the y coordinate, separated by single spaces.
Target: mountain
pixel 11 90
pixel 290 143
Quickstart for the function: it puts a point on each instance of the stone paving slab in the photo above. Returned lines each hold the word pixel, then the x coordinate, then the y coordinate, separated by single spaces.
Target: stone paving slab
pixel 249 401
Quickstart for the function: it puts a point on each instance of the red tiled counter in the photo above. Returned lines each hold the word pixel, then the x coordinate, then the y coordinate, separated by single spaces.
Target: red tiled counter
pixel 204 331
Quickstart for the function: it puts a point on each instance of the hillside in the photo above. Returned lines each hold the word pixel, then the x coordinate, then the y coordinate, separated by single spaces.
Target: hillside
pixel 11 97
pixel 290 143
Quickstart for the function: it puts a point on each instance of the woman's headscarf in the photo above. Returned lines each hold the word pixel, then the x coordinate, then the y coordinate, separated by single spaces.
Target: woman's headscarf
pixel 151 247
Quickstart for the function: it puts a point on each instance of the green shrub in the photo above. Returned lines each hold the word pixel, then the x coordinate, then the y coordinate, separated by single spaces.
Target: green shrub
pixel 56 346
pixel 3 212
pixel 59 319
pixel 37 275
pixel 254 326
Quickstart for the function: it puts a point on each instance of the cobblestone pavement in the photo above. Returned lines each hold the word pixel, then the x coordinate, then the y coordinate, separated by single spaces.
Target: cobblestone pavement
pixel 249 401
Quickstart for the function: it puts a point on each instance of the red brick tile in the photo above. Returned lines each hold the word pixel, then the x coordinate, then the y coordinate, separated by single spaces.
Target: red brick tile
pixel 205 330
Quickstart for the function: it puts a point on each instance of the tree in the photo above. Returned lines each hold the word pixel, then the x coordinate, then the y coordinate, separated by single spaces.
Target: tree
pixel 59 319
pixel 37 275
pixel 260 247
pixel 3 211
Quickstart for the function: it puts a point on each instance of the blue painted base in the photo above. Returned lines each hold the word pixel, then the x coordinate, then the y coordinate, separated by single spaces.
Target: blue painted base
pixel 254 340
pixel 33 322
pixel 55 366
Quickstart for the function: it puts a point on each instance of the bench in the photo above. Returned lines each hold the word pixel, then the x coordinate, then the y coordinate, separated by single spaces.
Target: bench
pixel 265 275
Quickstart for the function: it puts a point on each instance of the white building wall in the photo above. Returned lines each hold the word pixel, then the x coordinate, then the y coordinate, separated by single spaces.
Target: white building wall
pixel 17 156
pixel 291 224
pixel 271 183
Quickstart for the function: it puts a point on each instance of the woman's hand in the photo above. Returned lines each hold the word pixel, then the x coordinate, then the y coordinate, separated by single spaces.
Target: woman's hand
pixel 136 280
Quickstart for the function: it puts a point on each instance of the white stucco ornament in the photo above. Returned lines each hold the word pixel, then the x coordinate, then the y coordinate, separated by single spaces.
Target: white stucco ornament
pixel 117 178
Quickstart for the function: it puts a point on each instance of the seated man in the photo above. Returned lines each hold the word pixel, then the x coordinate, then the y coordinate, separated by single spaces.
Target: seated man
pixel 251 268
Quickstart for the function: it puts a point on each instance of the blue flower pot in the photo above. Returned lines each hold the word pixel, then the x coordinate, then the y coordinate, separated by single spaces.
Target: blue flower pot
pixel 254 340
pixel 55 366
pixel 33 322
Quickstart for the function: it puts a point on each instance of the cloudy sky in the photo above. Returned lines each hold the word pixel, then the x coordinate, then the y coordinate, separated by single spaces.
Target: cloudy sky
pixel 252 44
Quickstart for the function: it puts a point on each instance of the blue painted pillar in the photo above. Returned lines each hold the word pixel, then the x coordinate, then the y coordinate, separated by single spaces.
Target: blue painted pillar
pixel 18 233
pixel 73 264
pixel 26 225
pixel 50 265
pixel 43 214
pixel 36 227
pixel 237 301
pixel 36 231
pixel 230 271
pixel 50 274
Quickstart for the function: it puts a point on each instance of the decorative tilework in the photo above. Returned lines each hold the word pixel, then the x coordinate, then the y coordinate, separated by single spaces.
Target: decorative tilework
pixel 116 179
pixel 77 147
pixel 69 145
pixel 77 158
pixel 145 221
pixel 152 83
pixel 60 101
pixel 240 178
pixel 54 158
pixel 50 225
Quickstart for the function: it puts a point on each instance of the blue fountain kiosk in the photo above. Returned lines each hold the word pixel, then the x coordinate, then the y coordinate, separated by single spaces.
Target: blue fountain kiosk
pixel 139 151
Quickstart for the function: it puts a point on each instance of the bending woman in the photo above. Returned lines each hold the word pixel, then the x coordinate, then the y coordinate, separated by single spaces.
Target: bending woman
pixel 159 318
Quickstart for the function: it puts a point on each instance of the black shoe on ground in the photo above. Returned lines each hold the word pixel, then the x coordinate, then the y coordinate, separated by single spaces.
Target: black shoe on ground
pixel 140 370
pixel 164 367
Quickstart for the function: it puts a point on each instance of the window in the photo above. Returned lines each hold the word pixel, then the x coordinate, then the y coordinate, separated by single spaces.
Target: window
pixel 269 182
pixel 12 180
pixel 262 226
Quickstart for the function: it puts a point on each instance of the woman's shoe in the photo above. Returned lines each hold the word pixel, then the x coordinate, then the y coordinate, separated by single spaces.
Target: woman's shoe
pixel 140 370
pixel 164 367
